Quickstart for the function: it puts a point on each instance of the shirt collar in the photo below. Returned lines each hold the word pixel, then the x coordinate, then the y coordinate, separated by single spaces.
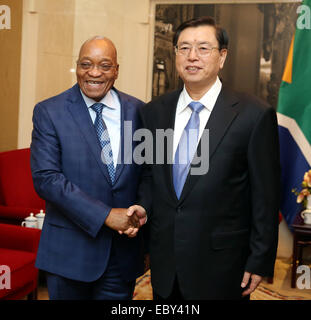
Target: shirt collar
pixel 107 100
pixel 208 100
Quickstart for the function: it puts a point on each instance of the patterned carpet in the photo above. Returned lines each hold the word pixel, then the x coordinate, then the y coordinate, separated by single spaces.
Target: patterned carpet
pixel 279 290
pixel 143 289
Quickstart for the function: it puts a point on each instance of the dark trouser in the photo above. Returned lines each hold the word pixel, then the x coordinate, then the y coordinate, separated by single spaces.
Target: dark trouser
pixel 175 294
pixel 110 286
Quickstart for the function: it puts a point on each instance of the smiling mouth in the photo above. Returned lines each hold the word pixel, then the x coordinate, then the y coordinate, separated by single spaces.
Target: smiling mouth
pixel 90 82
pixel 193 68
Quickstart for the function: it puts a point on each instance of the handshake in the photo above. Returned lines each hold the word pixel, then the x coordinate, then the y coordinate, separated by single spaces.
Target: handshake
pixel 126 221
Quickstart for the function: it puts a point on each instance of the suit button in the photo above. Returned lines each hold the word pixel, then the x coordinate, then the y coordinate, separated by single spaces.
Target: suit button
pixel 179 209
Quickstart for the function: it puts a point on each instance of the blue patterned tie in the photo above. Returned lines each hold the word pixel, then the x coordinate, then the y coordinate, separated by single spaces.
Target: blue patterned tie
pixel 186 148
pixel 104 139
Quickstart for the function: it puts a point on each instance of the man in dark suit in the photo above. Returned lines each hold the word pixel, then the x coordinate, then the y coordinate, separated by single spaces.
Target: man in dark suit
pixel 78 167
pixel 213 235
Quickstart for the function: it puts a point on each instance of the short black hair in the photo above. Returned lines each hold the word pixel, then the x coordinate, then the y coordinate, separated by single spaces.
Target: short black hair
pixel 221 34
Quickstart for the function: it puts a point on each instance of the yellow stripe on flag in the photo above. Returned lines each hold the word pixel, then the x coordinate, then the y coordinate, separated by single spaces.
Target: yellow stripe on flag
pixel 287 75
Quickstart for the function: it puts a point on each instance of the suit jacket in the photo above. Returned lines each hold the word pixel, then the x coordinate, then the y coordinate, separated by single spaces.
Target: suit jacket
pixel 226 221
pixel 69 174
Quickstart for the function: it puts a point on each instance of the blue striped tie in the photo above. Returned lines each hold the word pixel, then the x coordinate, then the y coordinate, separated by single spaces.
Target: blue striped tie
pixel 186 148
pixel 104 139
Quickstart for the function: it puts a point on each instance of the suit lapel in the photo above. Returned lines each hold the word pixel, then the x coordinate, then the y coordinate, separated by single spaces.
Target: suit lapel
pixel 167 111
pixel 125 116
pixel 219 121
pixel 81 116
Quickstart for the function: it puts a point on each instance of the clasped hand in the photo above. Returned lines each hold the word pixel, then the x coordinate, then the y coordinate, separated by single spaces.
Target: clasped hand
pixel 127 221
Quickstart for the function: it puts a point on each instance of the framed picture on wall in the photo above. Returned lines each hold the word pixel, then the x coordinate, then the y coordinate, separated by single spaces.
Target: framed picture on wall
pixel 259 40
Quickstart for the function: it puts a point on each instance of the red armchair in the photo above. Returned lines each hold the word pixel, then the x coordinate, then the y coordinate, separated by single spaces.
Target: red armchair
pixel 18 250
pixel 18 197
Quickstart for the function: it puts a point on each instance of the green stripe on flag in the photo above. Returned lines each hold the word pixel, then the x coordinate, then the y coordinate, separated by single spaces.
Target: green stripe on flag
pixel 295 98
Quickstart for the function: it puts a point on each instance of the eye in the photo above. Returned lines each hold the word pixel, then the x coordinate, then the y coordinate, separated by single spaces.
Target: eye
pixel 85 65
pixel 184 48
pixel 105 67
pixel 204 48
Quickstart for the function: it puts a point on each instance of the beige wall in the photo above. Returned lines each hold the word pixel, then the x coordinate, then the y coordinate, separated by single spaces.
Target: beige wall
pixel 126 23
pixel 47 45
pixel 10 53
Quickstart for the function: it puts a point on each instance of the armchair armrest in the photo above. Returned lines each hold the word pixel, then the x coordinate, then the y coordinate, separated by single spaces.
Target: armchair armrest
pixel 17 213
pixel 19 238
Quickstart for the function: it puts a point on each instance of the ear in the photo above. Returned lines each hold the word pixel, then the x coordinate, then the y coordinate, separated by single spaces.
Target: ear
pixel 223 56
pixel 117 72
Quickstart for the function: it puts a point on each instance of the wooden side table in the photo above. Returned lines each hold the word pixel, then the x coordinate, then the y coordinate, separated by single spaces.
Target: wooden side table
pixel 302 238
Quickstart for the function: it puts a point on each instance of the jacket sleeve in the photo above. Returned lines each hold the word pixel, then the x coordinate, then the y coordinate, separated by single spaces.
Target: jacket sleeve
pixel 52 185
pixel 264 175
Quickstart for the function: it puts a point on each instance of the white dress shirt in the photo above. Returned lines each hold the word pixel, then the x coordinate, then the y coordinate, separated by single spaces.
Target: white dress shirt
pixel 183 111
pixel 111 116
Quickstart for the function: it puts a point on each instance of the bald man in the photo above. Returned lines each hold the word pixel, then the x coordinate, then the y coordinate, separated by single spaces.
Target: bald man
pixel 78 167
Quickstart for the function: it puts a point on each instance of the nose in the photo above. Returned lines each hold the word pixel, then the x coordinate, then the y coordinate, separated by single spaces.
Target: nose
pixel 193 55
pixel 95 71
